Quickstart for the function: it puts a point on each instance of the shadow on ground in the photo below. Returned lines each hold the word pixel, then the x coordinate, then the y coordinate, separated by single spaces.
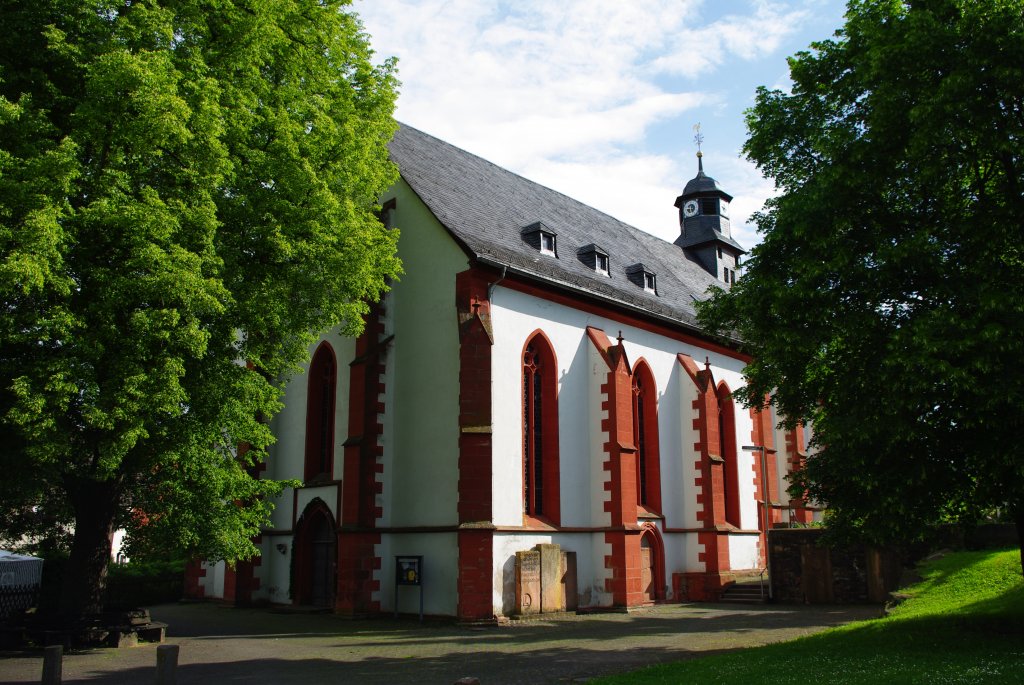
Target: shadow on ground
pixel 219 643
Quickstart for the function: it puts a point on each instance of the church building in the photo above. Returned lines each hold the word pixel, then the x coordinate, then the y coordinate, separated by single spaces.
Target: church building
pixel 532 420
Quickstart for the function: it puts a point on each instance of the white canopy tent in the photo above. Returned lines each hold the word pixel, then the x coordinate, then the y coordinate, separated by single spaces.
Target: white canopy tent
pixel 20 577
pixel 19 570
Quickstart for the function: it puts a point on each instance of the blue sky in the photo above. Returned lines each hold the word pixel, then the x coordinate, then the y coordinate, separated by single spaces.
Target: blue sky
pixel 597 98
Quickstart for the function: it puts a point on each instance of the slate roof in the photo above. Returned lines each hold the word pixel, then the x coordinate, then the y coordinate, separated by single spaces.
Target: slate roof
pixel 702 183
pixel 485 208
pixel 704 229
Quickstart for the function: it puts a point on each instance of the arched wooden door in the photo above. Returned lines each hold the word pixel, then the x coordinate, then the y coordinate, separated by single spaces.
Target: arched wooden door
pixel 316 557
pixel 324 562
pixel 647 574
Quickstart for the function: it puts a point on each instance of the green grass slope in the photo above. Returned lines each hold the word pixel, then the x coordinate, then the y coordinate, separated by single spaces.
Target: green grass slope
pixel 964 623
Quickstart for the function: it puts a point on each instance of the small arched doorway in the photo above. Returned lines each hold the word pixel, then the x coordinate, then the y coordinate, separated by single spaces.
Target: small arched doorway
pixel 316 557
pixel 647 569
pixel 652 564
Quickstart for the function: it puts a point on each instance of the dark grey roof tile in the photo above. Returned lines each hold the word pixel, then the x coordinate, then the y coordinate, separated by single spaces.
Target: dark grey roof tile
pixel 486 208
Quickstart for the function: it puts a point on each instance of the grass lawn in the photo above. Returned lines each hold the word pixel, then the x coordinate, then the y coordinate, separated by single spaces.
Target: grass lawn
pixel 963 624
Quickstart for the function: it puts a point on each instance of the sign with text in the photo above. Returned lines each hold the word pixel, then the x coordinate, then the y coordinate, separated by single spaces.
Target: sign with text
pixel 408 570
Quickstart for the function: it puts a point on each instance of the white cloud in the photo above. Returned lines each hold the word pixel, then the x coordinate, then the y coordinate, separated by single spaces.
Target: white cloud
pixel 749 37
pixel 468 68
pixel 567 93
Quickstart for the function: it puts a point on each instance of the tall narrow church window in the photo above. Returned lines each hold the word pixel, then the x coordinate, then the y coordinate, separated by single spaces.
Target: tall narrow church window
pixel 727 436
pixel 320 399
pixel 645 438
pixel 639 424
pixel 540 431
pixel 533 433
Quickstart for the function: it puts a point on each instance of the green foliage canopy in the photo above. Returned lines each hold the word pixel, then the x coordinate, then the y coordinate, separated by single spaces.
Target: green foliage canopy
pixel 188 196
pixel 886 301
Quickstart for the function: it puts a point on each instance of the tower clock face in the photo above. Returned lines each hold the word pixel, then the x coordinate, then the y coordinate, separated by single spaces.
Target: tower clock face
pixel 690 208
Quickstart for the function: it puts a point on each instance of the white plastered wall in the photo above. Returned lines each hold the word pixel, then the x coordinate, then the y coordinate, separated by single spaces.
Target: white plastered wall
pixel 782 463
pixel 421 400
pixel 743 549
pixel 440 552
pixel 745 467
pixel 743 552
pixel 213 582
pixel 274 569
pixel 515 316
pixel 286 460
pixel 679 475
pixel 422 393
pixel 588 556
pixel 591 573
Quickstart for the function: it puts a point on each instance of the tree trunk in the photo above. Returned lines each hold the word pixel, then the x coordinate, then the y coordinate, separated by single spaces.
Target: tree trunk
pixel 85 577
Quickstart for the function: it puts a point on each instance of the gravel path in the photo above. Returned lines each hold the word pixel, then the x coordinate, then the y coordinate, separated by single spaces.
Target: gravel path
pixel 221 644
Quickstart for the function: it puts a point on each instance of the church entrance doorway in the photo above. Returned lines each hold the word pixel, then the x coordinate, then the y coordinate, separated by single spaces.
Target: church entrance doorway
pixel 325 549
pixel 647 586
pixel 316 557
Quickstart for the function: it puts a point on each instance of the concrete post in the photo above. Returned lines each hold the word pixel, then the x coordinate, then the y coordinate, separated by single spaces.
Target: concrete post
pixel 167 665
pixel 53 665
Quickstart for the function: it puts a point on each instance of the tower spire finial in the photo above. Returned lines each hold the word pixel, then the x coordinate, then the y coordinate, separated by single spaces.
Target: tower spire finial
pixel 698 138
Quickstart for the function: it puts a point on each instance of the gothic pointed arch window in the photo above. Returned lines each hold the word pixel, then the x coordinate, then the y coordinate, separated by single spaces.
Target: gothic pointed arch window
pixel 320 402
pixel 645 437
pixel 540 431
pixel 727 438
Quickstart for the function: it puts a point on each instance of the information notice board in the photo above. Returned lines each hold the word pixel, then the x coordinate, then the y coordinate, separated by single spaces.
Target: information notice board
pixel 409 571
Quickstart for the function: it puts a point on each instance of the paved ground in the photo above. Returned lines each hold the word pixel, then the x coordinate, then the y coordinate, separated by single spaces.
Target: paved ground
pixel 221 644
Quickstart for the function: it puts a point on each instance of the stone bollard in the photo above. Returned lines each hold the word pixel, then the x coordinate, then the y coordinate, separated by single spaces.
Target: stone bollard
pixel 167 665
pixel 53 665
pixel 468 680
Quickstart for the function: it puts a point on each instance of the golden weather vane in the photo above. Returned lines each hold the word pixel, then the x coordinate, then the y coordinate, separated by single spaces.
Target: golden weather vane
pixel 698 137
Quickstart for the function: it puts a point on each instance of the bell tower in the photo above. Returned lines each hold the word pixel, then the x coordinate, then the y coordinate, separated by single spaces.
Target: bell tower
pixel 705 233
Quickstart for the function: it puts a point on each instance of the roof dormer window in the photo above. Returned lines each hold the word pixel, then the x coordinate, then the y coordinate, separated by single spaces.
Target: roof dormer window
pixel 541 238
pixel 643 277
pixel 595 258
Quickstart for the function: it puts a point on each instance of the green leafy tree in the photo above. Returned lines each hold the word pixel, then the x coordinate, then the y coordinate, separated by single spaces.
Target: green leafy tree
pixel 188 195
pixel 885 303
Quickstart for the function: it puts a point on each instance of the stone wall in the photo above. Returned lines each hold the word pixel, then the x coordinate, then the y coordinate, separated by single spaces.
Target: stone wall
pixel 805 571
pixel 992 536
